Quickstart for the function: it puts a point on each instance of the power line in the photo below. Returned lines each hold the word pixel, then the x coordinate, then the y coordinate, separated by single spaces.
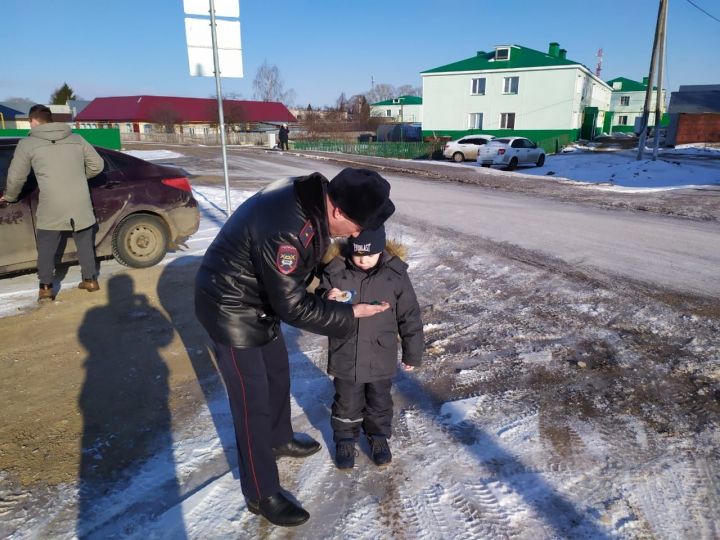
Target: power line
pixel 701 9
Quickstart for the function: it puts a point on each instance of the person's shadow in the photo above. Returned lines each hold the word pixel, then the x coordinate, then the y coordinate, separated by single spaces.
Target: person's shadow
pixel 175 290
pixel 126 418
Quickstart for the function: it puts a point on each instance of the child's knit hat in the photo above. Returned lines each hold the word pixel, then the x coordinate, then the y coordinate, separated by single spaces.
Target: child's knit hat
pixel 369 241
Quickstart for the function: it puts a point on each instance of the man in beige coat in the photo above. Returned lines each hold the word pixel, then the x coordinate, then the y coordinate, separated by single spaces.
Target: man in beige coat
pixel 62 163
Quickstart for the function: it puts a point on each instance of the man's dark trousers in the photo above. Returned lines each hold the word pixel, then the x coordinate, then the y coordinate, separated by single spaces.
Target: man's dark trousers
pixel 47 246
pixel 368 405
pixel 257 380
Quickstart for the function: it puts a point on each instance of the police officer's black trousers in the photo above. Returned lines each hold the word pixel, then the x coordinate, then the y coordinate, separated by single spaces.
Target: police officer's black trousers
pixel 257 380
pixel 368 405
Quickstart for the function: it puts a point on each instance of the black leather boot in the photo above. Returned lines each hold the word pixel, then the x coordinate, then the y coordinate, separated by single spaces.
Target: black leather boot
pixel 279 510
pixel 297 447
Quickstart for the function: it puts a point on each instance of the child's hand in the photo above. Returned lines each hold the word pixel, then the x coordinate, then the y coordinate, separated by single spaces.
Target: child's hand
pixel 407 367
pixel 333 293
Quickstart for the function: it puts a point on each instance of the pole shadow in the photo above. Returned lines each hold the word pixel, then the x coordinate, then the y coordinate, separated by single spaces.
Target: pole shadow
pixel 126 415
pixel 560 513
pixel 176 293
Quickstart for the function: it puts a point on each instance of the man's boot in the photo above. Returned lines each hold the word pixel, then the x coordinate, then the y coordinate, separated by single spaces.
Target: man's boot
pixel 345 453
pixel 90 285
pixel 46 292
pixel 297 447
pixel 381 454
pixel 279 510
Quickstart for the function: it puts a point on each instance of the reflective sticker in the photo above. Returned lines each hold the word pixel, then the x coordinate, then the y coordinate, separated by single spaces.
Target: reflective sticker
pixel 287 258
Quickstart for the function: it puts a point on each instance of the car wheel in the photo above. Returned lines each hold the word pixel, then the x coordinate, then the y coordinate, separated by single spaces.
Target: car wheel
pixel 541 160
pixel 141 240
pixel 513 164
pixel 458 157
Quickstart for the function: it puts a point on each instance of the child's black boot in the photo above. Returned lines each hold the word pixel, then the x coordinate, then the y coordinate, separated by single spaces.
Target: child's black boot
pixel 345 454
pixel 381 454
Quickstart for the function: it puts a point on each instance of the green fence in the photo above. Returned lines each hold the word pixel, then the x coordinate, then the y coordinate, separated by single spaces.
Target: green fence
pixel 106 138
pixel 404 150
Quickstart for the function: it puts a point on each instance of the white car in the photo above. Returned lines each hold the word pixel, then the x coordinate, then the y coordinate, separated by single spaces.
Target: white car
pixel 465 148
pixel 510 152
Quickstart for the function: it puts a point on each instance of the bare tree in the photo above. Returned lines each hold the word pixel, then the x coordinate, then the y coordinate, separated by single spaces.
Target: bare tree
pixel 408 90
pixel 381 92
pixel 19 100
pixel 234 115
pixel 269 86
pixel 341 104
pixel 166 118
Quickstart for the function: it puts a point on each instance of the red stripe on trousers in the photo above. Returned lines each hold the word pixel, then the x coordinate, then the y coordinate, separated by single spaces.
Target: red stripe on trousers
pixel 247 431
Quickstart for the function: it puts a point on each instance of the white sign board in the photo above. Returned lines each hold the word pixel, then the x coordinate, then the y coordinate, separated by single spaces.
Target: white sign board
pixel 202 65
pixel 200 55
pixel 223 8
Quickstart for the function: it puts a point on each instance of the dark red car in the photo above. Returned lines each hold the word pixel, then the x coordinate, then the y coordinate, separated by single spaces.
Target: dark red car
pixel 142 209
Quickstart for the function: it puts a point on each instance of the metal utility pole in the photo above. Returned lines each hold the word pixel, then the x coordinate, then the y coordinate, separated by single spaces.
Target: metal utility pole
pixel 221 113
pixel 651 76
pixel 658 97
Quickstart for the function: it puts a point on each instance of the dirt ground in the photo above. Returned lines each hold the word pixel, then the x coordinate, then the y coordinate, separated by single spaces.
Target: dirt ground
pixel 119 365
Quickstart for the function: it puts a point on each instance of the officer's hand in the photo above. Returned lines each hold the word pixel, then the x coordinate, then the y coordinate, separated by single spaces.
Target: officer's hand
pixel 407 367
pixel 368 310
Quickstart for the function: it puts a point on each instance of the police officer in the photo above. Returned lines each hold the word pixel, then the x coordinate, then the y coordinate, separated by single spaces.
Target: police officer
pixel 253 276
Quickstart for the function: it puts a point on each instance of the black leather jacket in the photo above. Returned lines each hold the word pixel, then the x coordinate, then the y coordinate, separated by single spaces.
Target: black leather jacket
pixel 255 272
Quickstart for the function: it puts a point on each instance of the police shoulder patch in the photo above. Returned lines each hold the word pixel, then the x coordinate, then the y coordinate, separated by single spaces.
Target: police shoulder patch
pixel 286 259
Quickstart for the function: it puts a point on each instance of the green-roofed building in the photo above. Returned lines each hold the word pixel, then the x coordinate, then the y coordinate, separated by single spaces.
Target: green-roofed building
pixel 515 90
pixel 400 109
pixel 627 102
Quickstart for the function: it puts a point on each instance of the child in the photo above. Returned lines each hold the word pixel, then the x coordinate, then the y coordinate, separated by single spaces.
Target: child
pixel 364 365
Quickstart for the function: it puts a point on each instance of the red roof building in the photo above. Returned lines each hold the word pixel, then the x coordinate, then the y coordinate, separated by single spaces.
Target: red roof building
pixel 188 110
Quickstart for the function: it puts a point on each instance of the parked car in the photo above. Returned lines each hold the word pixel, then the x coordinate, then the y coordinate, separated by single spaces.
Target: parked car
pixel 511 152
pixel 465 148
pixel 142 209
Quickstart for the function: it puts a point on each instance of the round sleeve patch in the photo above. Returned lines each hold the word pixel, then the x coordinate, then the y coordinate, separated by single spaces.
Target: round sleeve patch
pixel 287 258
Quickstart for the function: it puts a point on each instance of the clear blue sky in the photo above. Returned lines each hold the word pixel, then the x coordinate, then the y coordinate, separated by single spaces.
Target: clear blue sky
pixel 325 47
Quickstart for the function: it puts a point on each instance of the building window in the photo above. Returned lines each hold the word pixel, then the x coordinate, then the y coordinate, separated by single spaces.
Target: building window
pixel 475 120
pixel 510 85
pixel 502 54
pixel 388 113
pixel 625 100
pixel 507 120
pixel 622 120
pixel 478 87
pixel 206 131
pixel 147 128
pixel 128 128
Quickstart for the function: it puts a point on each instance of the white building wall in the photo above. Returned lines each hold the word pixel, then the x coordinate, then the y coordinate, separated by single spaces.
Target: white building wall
pixel 635 108
pixel 410 113
pixel 547 98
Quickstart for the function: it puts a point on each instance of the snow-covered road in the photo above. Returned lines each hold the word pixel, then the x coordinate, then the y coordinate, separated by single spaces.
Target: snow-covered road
pixel 551 405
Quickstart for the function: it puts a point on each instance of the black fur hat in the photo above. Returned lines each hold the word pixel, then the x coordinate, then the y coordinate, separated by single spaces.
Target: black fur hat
pixel 363 195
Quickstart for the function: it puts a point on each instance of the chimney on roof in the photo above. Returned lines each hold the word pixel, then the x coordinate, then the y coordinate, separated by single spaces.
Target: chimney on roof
pixel 563 53
pixel 554 49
